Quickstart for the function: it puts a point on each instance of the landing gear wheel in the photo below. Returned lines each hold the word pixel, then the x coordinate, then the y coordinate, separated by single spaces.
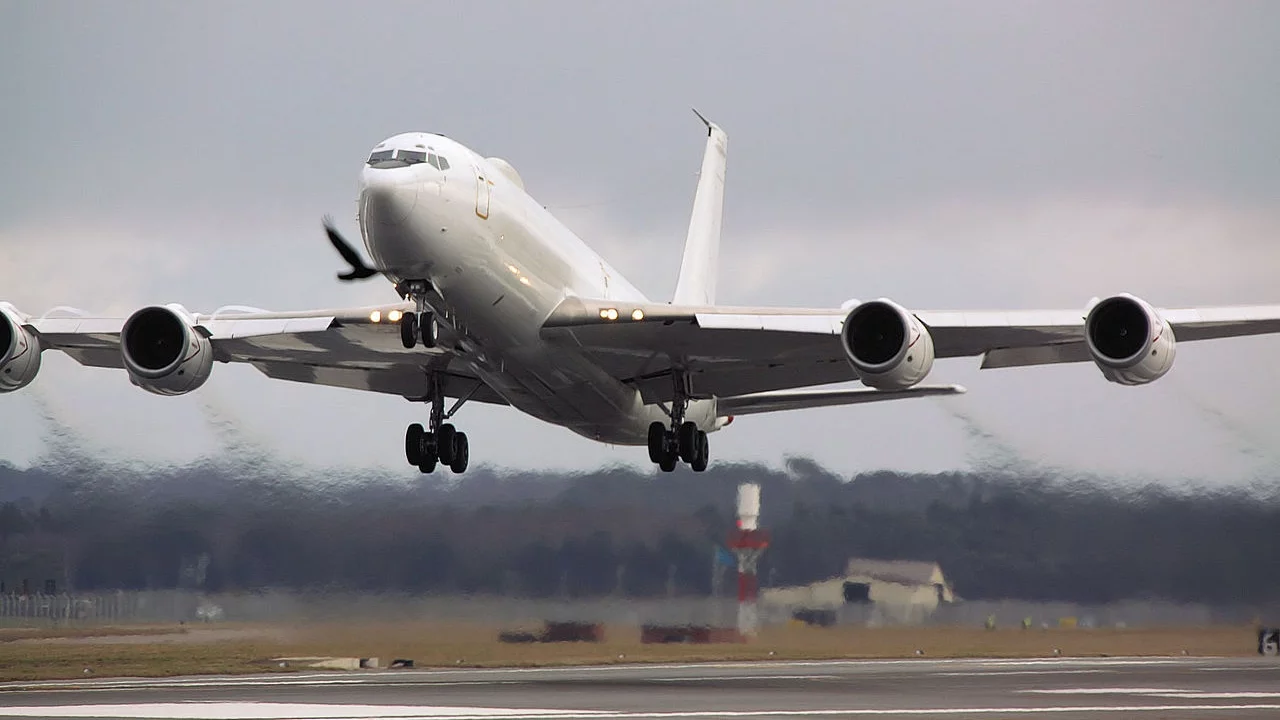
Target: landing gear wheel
pixel 413 444
pixel 657 441
pixel 461 453
pixel 687 438
pixel 668 463
pixel 446 444
pixel 429 329
pixel 427 466
pixel 409 331
pixel 703 456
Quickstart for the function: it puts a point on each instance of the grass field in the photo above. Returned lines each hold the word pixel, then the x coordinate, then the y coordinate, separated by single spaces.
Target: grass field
pixel 160 651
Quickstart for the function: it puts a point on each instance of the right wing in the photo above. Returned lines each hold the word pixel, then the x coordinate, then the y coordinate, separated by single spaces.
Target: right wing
pixel 354 348
pixel 780 400
pixel 726 352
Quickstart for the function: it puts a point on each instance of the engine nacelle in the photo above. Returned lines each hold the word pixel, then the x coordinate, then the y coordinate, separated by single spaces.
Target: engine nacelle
pixel 889 348
pixel 164 352
pixel 1129 341
pixel 19 352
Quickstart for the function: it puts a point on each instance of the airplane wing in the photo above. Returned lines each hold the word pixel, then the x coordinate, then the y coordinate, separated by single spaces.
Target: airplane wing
pixel 355 348
pixel 778 401
pixel 735 351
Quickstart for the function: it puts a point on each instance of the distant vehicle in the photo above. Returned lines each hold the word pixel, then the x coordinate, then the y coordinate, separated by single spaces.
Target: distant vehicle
pixel 502 304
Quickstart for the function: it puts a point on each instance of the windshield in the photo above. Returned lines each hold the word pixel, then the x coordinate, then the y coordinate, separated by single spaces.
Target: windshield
pixel 404 158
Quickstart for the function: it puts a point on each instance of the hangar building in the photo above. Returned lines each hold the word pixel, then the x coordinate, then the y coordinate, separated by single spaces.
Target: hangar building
pixel 871 591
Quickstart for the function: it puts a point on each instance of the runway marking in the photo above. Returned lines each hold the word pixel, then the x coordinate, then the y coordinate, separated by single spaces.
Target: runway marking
pixel 284 711
pixel 315 711
pixel 715 678
pixel 993 673
pixel 1224 695
pixel 329 678
pixel 1107 691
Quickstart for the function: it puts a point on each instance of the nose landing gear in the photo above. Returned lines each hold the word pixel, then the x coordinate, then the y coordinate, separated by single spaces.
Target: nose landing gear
pixel 420 325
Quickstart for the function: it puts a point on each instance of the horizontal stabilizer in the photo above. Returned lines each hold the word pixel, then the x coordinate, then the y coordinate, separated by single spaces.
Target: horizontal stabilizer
pixel 800 399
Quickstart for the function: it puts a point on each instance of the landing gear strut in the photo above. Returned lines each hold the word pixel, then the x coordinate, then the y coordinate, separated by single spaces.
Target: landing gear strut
pixel 439 443
pixel 683 441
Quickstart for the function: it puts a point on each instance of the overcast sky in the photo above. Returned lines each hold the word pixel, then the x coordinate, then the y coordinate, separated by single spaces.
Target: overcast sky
pixel 948 155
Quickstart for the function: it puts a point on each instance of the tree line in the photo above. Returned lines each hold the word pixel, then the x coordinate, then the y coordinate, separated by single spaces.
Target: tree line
pixel 225 527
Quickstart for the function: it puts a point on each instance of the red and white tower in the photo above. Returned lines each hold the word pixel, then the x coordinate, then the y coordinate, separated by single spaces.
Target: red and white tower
pixel 747 542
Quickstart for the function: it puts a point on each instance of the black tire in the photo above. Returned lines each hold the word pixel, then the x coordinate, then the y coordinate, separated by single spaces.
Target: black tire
pixel 703 455
pixel 657 440
pixel 428 465
pixel 430 329
pixel 413 444
pixel 461 453
pixel 688 441
pixel 668 463
pixel 445 443
pixel 409 331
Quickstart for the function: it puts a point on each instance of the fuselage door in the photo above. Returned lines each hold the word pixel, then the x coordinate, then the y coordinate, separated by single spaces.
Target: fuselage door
pixel 484 191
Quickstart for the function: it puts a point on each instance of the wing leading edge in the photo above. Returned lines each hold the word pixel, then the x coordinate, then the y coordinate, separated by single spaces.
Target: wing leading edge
pixel 354 348
pixel 732 351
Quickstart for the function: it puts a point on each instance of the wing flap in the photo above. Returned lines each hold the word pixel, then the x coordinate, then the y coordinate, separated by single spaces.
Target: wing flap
pixel 802 399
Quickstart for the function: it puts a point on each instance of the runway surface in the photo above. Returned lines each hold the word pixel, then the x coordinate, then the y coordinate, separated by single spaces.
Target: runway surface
pixel 918 688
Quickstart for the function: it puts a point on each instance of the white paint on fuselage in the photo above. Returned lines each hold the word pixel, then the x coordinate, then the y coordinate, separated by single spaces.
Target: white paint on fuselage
pixel 501 263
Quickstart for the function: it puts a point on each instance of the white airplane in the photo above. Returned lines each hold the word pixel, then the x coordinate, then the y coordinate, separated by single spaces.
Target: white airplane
pixel 501 303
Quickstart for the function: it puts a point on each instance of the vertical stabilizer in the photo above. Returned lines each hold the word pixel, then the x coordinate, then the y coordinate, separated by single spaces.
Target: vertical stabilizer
pixel 698 270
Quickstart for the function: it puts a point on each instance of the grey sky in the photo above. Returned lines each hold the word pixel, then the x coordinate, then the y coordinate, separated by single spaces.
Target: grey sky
pixel 945 154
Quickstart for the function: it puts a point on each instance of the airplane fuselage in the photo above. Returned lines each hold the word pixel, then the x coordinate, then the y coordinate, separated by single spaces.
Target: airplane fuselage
pixel 498 263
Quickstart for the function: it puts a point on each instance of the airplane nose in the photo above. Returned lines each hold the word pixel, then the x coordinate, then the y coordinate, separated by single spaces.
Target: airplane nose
pixel 387 199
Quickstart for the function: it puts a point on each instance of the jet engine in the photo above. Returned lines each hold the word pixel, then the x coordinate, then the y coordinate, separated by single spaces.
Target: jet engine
pixel 1129 341
pixel 19 353
pixel 890 348
pixel 164 352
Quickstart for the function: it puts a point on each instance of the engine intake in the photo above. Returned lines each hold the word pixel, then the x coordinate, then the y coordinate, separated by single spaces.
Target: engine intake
pixel 19 353
pixel 1129 341
pixel 889 348
pixel 164 352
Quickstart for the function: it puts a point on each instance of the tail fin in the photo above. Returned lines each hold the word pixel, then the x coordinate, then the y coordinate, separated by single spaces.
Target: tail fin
pixel 697 283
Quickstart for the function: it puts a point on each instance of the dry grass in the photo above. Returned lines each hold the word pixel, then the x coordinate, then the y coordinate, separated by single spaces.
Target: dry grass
pixel 434 644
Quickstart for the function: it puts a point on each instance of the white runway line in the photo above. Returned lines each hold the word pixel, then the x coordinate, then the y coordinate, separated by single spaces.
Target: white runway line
pixel 332 678
pixel 713 678
pixel 281 711
pixel 1107 691
pixel 314 711
pixel 1001 673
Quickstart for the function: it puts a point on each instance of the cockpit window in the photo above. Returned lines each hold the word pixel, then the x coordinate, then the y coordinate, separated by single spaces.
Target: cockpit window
pixel 411 157
pixel 403 158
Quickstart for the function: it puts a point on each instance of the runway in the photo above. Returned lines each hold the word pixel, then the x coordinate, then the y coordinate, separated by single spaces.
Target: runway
pixel 918 688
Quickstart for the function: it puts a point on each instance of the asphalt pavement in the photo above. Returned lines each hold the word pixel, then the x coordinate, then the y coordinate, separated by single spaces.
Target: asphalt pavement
pixel 917 688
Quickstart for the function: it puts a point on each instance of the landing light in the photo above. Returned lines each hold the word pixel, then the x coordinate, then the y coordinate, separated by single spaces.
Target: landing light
pixel 394 316
pixel 524 280
pixel 375 316
pixel 609 314
pixel 637 314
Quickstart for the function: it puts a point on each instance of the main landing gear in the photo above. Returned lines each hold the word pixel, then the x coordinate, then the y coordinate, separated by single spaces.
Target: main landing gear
pixel 684 441
pixel 439 443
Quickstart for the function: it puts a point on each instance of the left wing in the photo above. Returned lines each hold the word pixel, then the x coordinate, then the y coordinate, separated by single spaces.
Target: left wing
pixel 355 348
pixel 732 351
